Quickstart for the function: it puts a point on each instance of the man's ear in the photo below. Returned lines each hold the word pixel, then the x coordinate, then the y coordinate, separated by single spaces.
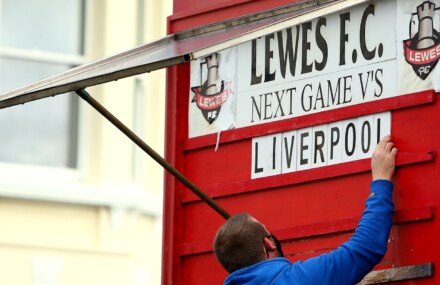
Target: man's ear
pixel 269 244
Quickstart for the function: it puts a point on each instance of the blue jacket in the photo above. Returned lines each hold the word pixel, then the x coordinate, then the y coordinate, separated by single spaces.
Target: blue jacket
pixel 347 264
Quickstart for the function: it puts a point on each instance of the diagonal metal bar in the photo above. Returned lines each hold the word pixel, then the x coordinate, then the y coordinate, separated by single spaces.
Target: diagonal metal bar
pixel 152 153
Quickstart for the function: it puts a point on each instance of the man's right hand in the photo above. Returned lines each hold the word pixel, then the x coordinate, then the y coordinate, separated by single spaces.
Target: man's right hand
pixel 384 159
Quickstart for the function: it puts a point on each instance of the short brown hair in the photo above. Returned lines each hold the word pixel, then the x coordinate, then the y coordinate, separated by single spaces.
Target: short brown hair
pixel 239 242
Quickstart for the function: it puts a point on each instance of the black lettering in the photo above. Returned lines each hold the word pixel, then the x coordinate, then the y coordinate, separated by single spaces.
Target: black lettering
pixel 289 55
pixel 255 107
pixel 333 95
pixel 256 168
pixel 348 151
pixel 364 88
pixel 280 104
pixel 319 97
pixel 310 99
pixel 368 55
pixel 289 153
pixel 379 136
pixel 343 37
pixel 303 148
pixel 290 91
pixel 379 83
pixel 305 68
pixel 267 106
pixel 366 145
pixel 334 139
pixel 322 44
pixel 254 78
pixel 347 87
pixel 268 76
pixel 319 144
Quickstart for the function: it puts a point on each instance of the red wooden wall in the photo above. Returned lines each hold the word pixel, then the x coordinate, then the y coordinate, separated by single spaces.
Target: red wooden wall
pixel 310 211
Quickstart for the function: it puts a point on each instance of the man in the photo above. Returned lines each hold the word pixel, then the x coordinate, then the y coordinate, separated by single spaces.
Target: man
pixel 253 256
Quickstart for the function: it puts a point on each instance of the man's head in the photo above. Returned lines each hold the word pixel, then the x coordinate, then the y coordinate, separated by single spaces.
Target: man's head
pixel 243 241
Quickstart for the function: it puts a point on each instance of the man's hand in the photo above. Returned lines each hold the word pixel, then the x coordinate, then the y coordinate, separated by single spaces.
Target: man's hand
pixel 384 159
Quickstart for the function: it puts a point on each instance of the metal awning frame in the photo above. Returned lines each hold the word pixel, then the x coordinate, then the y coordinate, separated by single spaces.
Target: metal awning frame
pixel 176 49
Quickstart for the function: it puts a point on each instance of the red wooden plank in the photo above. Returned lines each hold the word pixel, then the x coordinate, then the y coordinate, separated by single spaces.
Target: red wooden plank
pixel 413 215
pixel 399 102
pixel 235 188
pixel 319 229
pixel 211 7
pixel 172 206
pixel 192 13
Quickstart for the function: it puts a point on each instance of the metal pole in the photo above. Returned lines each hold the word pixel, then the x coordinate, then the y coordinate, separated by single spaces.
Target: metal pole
pixel 153 154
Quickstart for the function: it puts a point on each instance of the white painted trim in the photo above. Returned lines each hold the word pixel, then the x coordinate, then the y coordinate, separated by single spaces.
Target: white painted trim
pixel 39 55
pixel 64 186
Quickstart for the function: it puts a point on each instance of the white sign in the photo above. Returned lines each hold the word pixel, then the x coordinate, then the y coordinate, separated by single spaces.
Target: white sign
pixel 368 53
pixel 371 52
pixel 318 146
pixel 317 94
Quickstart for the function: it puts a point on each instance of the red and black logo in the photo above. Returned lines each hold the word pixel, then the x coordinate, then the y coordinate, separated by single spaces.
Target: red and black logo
pixel 422 50
pixel 213 93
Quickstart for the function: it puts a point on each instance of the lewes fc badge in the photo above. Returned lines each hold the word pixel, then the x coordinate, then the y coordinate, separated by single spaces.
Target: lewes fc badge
pixel 422 50
pixel 213 92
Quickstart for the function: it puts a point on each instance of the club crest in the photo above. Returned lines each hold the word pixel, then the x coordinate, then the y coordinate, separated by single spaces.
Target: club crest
pixel 213 92
pixel 422 50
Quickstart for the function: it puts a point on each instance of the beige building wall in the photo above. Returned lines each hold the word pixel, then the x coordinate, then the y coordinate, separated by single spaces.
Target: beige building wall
pixel 101 223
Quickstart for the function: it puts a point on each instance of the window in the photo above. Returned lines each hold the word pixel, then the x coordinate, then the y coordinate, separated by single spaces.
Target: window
pixel 39 39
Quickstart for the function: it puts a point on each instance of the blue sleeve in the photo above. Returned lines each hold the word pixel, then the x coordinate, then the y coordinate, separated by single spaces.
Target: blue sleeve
pixel 349 263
